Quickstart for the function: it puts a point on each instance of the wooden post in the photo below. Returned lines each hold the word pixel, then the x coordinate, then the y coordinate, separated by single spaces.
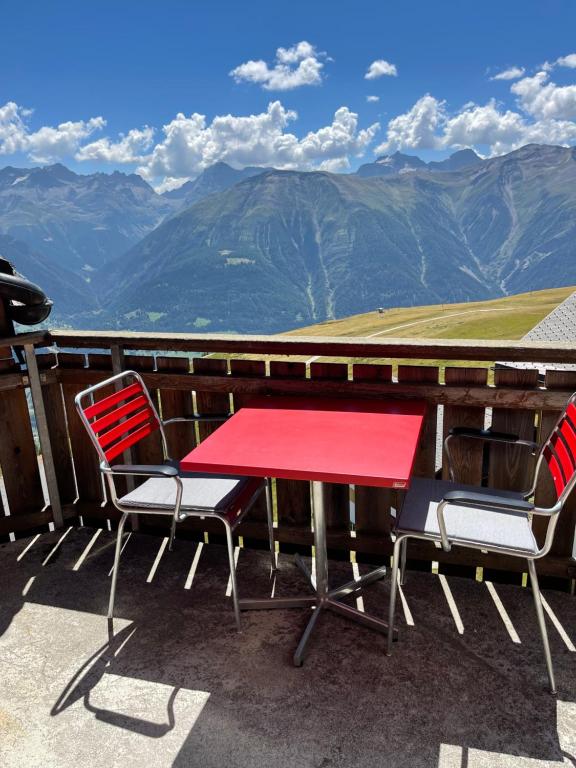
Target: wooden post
pixel 44 435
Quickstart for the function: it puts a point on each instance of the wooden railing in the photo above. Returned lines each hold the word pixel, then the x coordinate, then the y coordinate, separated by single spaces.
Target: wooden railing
pixel 516 400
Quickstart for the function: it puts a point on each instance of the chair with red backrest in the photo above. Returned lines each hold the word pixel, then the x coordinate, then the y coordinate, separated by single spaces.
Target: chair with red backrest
pixel 488 519
pixel 119 421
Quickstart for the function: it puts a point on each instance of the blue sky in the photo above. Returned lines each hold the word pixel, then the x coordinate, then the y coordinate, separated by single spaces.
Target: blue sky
pixel 93 84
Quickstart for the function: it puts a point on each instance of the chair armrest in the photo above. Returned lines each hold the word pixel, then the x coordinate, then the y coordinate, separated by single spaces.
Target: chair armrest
pixel 490 436
pixel 486 435
pixel 151 470
pixel 201 418
pixel 483 434
pixel 469 498
pixel 473 501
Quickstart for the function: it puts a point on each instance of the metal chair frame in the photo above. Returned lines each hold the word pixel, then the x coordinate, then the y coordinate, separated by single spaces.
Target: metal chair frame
pixel 168 471
pixel 548 453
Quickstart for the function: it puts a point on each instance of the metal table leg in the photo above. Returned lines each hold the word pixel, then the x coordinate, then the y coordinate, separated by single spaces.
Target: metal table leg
pixel 324 598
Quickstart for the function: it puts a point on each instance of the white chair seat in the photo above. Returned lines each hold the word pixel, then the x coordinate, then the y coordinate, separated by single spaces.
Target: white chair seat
pixel 224 495
pixel 490 528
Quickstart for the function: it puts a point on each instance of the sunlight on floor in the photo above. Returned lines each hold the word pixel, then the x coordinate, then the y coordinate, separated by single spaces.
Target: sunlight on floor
pixel 453 756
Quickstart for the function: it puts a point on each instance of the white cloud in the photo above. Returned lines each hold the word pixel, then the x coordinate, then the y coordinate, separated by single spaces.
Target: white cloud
pixel 129 149
pixel 12 128
pixel 484 125
pixel 545 100
pixel 372 99
pixel 293 67
pixel 428 125
pixel 513 73
pixel 379 68
pixel 417 128
pixel 191 144
pixel 47 144
pixel 567 61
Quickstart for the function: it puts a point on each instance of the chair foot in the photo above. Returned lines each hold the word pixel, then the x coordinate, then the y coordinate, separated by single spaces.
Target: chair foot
pixel 269 517
pixel 542 624
pixel 172 535
pixel 232 565
pixel 393 590
pixel 116 566
pixel 403 555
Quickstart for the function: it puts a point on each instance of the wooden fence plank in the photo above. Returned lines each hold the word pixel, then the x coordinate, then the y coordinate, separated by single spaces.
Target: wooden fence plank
pixel 372 505
pixel 6 366
pixel 511 467
pixel 211 402
pixel 18 455
pixel 466 454
pixel 425 464
pixel 181 438
pixel 18 461
pixel 57 427
pixel 292 496
pixel 336 496
pixel 256 368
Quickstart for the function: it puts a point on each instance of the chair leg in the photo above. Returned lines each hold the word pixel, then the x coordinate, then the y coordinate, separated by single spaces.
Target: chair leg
pixel 270 523
pixel 116 564
pixel 403 553
pixel 172 534
pixel 230 543
pixel 393 589
pixel 541 622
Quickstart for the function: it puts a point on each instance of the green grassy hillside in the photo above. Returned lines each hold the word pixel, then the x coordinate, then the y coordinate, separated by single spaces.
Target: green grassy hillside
pixel 508 318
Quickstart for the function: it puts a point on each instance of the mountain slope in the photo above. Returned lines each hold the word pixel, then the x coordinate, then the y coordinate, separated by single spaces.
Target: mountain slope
pixel 78 222
pixel 69 292
pixel 284 249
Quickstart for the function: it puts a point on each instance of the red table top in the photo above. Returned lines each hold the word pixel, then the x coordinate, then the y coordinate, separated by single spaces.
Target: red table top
pixel 333 440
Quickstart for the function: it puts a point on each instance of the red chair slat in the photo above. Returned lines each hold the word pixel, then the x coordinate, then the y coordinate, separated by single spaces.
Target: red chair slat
pixel 119 413
pixel 107 402
pixel 126 426
pixel 564 457
pixel 555 471
pixel 569 436
pixel 571 413
pixel 129 441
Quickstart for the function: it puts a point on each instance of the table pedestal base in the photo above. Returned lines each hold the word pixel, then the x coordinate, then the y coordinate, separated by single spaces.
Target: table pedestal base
pixel 323 599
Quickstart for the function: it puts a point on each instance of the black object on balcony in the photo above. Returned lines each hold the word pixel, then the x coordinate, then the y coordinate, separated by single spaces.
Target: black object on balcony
pixel 25 302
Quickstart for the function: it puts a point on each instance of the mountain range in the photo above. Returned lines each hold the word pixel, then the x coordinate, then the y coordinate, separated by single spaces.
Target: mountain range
pixel 261 250
pixel 400 163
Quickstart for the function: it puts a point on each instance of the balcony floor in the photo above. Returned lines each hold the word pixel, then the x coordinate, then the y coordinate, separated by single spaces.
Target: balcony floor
pixel 177 686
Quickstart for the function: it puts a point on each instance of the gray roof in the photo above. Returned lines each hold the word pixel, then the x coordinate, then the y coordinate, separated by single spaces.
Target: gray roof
pixel 559 325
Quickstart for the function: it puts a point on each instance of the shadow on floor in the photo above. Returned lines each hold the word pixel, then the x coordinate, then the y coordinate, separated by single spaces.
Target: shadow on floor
pixel 176 685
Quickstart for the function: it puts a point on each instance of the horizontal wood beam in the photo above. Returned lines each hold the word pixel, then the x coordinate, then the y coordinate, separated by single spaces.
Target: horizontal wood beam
pixel 326 346
pixel 481 396
pixel 12 381
pixel 33 337
pixel 29 520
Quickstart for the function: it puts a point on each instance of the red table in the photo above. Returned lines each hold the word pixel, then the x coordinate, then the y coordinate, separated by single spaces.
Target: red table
pixel 364 442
